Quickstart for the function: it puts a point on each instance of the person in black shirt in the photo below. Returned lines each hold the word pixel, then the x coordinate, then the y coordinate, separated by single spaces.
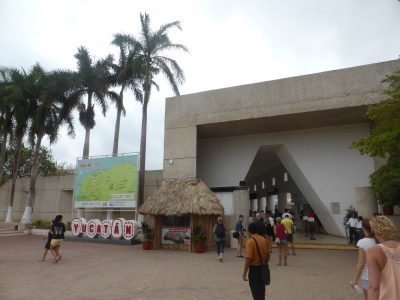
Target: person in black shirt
pixel 58 230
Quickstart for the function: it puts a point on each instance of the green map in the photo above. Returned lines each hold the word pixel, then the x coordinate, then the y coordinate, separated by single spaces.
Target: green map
pixel 107 185
pixel 106 181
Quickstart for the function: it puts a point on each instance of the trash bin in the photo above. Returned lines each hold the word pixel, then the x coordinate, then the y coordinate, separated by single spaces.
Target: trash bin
pixel 234 242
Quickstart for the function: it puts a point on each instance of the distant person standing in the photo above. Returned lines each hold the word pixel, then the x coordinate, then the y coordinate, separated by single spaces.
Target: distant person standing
pixel 260 223
pixel 303 221
pixel 360 233
pixel 58 230
pixel 241 237
pixel 272 221
pixel 287 213
pixel 252 217
pixel 352 224
pixel 282 245
pixel 311 222
pixel 219 237
pixel 289 226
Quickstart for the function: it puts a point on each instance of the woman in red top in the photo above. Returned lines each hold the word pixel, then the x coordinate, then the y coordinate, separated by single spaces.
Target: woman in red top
pixel 280 232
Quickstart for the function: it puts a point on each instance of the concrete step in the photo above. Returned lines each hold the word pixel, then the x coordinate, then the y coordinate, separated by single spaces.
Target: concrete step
pixel 9 226
pixel 6 232
pixel 323 246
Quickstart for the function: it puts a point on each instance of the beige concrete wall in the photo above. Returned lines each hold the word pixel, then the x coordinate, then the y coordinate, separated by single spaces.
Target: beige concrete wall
pixel 322 92
pixel 54 195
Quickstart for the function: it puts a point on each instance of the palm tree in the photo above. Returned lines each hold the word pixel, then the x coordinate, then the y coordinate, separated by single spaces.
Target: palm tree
pixel 21 85
pixel 126 77
pixel 52 102
pixel 93 78
pixel 152 47
pixel 6 124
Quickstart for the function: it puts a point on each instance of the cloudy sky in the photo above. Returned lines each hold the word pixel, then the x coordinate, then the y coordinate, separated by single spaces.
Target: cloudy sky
pixel 231 43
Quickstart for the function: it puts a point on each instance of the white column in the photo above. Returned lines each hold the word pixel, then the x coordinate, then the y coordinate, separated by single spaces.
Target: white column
pixel 81 212
pixel 282 202
pixel 263 203
pixel 271 203
pixel 253 204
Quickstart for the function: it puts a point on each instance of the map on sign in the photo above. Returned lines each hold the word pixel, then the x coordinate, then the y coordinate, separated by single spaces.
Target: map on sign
pixel 106 182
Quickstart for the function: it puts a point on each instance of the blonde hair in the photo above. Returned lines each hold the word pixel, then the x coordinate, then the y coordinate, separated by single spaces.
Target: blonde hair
pixel 383 227
pixel 219 219
pixel 278 220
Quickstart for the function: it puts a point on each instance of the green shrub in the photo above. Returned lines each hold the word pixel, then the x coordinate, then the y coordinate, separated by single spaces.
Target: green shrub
pixel 43 224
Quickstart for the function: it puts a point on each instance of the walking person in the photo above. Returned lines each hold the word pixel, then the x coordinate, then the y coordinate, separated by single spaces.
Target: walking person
pixel 289 226
pixel 280 234
pixel 352 224
pixel 219 237
pixel 383 261
pixel 58 230
pixel 269 232
pixel 272 221
pixel 363 246
pixel 253 264
pixel 240 230
pixel 47 246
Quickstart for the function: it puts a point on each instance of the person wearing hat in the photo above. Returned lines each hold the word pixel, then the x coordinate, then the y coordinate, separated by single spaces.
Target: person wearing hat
pixel 352 224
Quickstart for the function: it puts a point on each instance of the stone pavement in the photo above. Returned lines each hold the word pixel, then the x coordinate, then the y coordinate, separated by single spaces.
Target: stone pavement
pixel 97 271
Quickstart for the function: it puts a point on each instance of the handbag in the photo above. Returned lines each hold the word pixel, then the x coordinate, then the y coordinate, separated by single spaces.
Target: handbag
pixel 235 235
pixel 265 274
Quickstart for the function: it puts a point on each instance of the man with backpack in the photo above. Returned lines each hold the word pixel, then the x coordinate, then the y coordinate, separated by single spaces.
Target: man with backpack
pixel 219 237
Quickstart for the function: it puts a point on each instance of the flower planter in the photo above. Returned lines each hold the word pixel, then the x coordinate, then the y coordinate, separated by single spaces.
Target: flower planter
pixel 146 245
pixel 388 210
pixel 199 248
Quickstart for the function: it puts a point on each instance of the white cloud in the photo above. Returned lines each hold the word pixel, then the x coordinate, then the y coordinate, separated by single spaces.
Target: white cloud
pixel 230 42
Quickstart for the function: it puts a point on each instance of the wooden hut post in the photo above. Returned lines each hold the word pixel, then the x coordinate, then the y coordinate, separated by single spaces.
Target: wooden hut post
pixel 156 224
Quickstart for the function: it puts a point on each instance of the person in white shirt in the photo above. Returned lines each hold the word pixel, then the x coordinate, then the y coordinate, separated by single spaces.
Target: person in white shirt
pixel 363 246
pixel 253 217
pixel 286 213
pixel 352 223
pixel 360 233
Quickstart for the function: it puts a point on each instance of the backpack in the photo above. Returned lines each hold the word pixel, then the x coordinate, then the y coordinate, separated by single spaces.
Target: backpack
pixel 220 231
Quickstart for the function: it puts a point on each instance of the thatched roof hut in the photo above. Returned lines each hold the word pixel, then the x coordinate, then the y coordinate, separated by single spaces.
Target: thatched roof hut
pixel 180 197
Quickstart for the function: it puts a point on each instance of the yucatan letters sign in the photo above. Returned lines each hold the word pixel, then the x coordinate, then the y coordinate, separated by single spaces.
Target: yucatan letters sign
pixel 116 229
pixel 106 182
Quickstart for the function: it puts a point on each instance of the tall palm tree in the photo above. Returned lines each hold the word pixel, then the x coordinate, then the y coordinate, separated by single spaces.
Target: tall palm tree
pixel 6 124
pixel 94 80
pixel 21 85
pixel 124 75
pixel 51 103
pixel 152 59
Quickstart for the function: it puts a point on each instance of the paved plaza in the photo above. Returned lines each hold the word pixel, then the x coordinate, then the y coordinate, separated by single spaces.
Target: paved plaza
pixel 98 271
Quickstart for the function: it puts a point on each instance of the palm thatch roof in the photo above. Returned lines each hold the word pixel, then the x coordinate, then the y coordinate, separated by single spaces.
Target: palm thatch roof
pixel 179 197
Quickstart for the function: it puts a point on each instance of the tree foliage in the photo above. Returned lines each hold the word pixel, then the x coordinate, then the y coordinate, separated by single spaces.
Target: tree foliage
pixel 385 142
pixel 48 166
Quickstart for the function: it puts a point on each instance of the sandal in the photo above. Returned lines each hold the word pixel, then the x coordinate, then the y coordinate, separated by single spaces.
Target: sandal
pixel 279 264
pixel 285 264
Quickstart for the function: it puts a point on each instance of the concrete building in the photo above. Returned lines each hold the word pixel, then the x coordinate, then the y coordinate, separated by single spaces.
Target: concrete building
pixel 54 195
pixel 284 136
pixel 266 141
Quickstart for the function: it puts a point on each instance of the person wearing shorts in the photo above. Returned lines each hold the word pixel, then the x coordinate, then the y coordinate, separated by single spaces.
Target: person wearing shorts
pixel 241 237
pixel 282 245
pixel 289 226
pixel 58 230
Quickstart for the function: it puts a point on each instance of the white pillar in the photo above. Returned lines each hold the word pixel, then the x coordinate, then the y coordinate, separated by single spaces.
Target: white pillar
pixel 271 203
pixel 109 214
pixel 253 204
pixel 282 202
pixel 81 213
pixel 263 203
